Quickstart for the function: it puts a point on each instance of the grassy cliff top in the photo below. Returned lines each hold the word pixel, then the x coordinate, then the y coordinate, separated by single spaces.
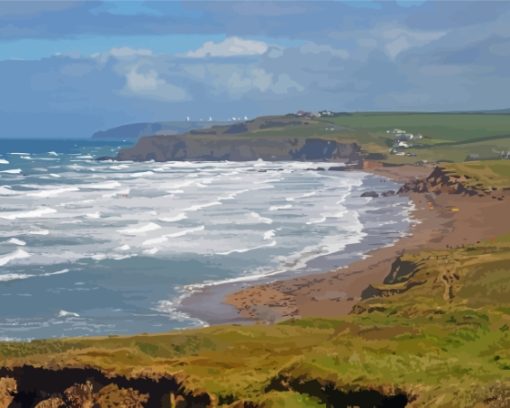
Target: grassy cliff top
pixel 444 136
pixel 490 173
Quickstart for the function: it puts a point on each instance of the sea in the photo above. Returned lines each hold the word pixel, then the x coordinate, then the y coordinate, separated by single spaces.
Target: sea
pixel 92 247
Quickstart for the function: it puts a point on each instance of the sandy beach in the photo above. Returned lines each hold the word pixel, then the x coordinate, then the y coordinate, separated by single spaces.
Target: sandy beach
pixel 444 220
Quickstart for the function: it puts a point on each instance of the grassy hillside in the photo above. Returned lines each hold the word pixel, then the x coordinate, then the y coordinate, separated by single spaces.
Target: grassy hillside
pixel 438 332
pixel 446 136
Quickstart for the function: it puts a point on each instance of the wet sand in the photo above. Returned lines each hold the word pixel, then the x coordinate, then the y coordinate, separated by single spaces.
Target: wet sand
pixel 445 220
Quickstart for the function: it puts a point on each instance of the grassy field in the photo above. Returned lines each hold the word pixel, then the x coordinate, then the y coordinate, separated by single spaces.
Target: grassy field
pixel 438 332
pixel 446 136
pixel 445 127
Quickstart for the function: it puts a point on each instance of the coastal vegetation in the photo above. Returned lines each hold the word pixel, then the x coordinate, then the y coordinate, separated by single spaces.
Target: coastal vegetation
pixel 436 333
pixel 444 137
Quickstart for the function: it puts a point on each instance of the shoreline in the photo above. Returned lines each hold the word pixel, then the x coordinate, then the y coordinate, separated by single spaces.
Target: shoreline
pixel 231 307
pixel 443 221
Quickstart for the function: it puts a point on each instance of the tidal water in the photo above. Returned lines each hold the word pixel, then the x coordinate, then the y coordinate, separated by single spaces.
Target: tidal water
pixel 90 248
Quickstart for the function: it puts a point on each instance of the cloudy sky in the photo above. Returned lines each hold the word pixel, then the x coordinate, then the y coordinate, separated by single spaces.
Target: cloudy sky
pixel 69 68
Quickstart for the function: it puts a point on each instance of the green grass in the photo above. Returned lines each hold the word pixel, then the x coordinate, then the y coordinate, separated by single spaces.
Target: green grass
pixel 438 126
pixel 444 341
pixel 486 174
pixel 447 136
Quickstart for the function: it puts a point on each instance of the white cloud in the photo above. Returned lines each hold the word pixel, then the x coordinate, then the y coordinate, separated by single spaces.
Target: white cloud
pixel 150 85
pixel 284 83
pixel 230 47
pixel 397 39
pixel 252 79
pixel 237 81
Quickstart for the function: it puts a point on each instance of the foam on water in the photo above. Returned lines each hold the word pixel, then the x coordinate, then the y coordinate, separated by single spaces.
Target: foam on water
pixel 38 232
pixel 11 171
pixel 37 213
pixel 140 229
pixel 140 237
pixel 244 250
pixel 6 190
pixel 108 185
pixel 18 254
pixel 52 192
pixel 269 234
pixel 256 216
pixel 280 207
pixel 178 217
pixel 66 313
pixel 16 241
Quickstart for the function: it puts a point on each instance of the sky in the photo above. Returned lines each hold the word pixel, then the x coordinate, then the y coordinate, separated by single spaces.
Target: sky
pixel 70 68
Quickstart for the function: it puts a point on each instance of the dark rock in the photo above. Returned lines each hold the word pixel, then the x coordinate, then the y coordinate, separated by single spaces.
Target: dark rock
pixel 372 194
pixel 439 181
pixel 235 148
pixel 388 193
pixel 8 388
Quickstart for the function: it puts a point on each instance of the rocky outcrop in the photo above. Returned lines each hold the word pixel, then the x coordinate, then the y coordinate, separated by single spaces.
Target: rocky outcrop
pixel 240 148
pixel 8 389
pixel 399 280
pixel 29 386
pixel 440 181
pixel 388 193
pixel 372 194
pixel 84 396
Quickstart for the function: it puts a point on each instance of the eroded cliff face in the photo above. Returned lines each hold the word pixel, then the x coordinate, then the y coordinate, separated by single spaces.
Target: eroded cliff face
pixel 212 148
pixel 440 181
pixel 29 386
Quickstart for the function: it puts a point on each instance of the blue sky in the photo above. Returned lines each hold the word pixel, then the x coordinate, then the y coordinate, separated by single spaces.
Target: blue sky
pixel 69 68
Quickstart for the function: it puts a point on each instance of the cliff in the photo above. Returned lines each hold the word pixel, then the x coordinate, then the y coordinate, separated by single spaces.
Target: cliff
pixel 239 148
pixel 442 181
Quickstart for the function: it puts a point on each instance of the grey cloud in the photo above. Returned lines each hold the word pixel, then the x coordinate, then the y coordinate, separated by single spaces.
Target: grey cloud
pixel 343 58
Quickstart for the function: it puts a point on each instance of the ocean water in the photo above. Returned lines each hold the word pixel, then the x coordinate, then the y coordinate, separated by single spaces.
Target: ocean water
pixel 93 248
